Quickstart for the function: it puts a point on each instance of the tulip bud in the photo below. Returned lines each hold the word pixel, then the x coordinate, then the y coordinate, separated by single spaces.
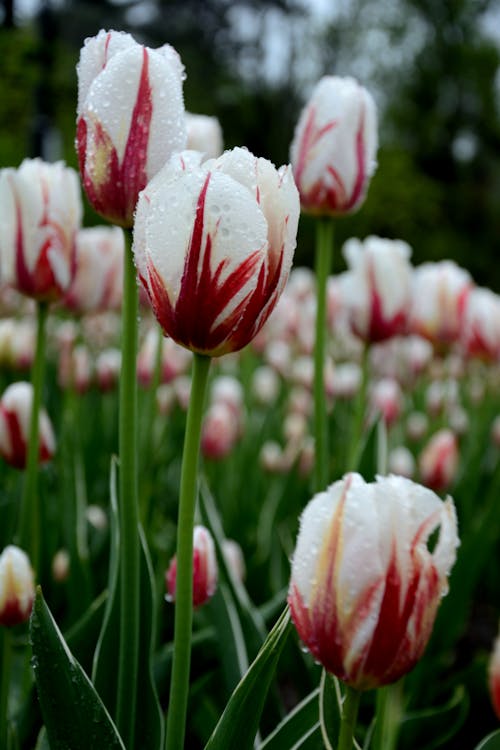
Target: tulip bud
pixel 440 295
pixel 401 462
pixel 265 385
pixel 17 586
pixel 98 280
pixel 204 569
pixel 107 369
pixel 417 425
pixel 334 147
pixel 377 287
pixel 233 555
pixel 365 587
pixel 130 119
pixel 214 283
pixel 438 462
pixel 386 399
pixel 15 415
pixel 61 564
pixel 480 336
pixel 494 676
pixel 204 134
pixel 220 431
pixel 40 213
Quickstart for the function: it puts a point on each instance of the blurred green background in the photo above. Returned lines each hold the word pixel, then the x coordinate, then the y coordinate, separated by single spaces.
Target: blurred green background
pixel 433 67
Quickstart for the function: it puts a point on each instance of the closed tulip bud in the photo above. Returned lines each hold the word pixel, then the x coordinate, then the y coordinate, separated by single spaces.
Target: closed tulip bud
pixel 233 555
pixel 15 415
pixel 228 390
pixel 401 462
pixel 98 280
pixel 213 245
pixel 61 564
pixel 17 586
pixel 220 431
pixel 204 134
pixel 205 570
pixel 334 147
pixel 365 588
pixel 386 399
pixel 417 425
pixel 107 369
pixel 266 385
pixel 438 462
pixel 40 213
pixel 377 287
pixel 346 380
pixel 130 119
pixel 440 294
pixel 494 676
pixel 480 336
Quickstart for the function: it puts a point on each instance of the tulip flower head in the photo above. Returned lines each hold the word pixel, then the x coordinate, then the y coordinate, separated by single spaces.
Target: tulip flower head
pixel 438 462
pixel 17 586
pixel 480 336
pixel 204 134
pixel 204 568
pixel 213 247
pixel 130 119
pixel 98 280
pixel 377 288
pixel 440 295
pixel 40 213
pixel 365 587
pixel 494 676
pixel 334 147
pixel 15 414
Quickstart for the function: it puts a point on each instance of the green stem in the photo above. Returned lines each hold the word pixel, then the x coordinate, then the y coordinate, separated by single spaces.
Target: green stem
pixel 179 685
pixel 148 424
pixel 129 559
pixel 323 264
pixel 5 668
pixel 388 717
pixel 29 521
pixel 355 446
pixel 348 721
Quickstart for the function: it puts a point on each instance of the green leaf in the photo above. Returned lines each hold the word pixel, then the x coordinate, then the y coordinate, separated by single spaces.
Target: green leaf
pixel 432 727
pixel 230 641
pixel 252 623
pixel 239 723
pixel 74 715
pixel 82 636
pixel 297 726
pixel 491 742
pixel 42 742
pixel 149 723
pixel 329 707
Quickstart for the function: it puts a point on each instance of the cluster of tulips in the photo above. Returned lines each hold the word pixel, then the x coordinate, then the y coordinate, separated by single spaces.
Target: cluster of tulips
pixel 373 392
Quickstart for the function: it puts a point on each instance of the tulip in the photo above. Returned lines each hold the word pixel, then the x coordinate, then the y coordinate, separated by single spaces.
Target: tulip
pixel 364 587
pixel 204 134
pixel 386 399
pixel 98 280
pixel 40 213
pixel 107 369
pixel 220 431
pixel 266 385
pixel 130 119
pixel 334 147
pixel 204 568
pixel 377 288
pixel 235 560
pixel 480 336
pixel 401 462
pixel 494 676
pixel 17 586
pixel 440 295
pixel 438 462
pixel 15 411
pixel 213 246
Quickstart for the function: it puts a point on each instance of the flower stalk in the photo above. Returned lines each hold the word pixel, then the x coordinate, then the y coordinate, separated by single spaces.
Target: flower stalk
pixel 179 685
pixel 128 509
pixel 29 520
pixel 323 264
pixel 350 708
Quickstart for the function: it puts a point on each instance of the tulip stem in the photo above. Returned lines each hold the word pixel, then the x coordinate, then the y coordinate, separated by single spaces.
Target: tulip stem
pixel 129 550
pixel 388 718
pixel 356 438
pixel 5 675
pixel 350 707
pixel 323 264
pixel 29 521
pixel 179 685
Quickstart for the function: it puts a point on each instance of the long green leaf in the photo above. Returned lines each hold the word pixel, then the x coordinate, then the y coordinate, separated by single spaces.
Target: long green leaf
pixel 491 742
pixel 239 723
pixel 431 727
pixel 296 727
pixel 149 724
pixel 329 708
pixel 74 715
pixel 230 641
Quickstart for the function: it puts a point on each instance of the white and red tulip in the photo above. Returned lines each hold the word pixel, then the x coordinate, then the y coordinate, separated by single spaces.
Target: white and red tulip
pixel 15 415
pixel 17 586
